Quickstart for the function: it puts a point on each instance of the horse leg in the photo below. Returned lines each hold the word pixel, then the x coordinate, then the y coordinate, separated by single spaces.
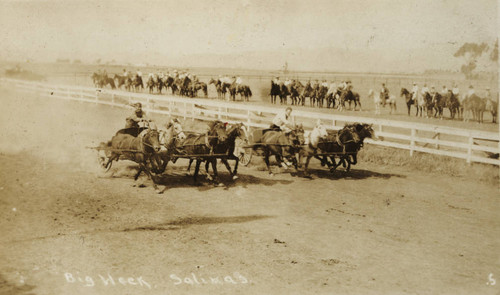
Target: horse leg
pixel 188 170
pixel 306 166
pixel 196 170
pixel 235 171
pixel 207 164
pixel 150 176
pixel 266 160
pixel 213 161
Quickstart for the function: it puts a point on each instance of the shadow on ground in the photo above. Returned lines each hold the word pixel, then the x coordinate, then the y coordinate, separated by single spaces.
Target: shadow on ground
pixel 352 174
pixel 189 221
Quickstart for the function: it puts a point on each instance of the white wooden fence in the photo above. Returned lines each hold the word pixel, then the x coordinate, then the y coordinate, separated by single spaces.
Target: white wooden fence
pixel 471 145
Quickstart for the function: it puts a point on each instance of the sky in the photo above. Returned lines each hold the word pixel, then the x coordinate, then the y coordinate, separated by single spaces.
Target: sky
pixel 169 31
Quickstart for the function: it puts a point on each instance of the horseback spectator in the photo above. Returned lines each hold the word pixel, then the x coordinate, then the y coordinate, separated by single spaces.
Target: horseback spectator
pixel 384 94
pixel 455 90
pixel 324 84
pixel 276 80
pixel 287 82
pixel 283 121
pixel 414 91
pixel 488 93
pixel 425 89
pixel 471 91
pixel 125 73
pixel 332 89
pixel 238 80
pixel 444 91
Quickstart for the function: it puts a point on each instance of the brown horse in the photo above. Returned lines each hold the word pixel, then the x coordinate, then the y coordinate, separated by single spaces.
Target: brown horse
pixel 408 98
pixel 225 151
pixel 139 149
pixel 244 91
pixel 282 146
pixel 201 147
pixel 275 92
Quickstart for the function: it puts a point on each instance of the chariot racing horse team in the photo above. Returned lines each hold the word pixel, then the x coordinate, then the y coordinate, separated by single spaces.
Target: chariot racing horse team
pixel 153 147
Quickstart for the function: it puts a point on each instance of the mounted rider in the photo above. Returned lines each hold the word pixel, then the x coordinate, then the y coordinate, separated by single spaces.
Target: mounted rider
pixel 384 93
pixel 414 92
pixel 425 89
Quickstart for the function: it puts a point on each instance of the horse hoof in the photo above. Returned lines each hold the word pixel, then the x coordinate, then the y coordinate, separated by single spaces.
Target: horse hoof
pixel 141 185
pixel 235 177
pixel 220 184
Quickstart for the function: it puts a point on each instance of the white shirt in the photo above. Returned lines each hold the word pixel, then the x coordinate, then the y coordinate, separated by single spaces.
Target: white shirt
pixel 139 73
pixel 288 82
pixel 425 89
pixel 455 91
pixel 281 120
pixel 333 88
pixel 471 92
pixel 414 89
pixel 238 80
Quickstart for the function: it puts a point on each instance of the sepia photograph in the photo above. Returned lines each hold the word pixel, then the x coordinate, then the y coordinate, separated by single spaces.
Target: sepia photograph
pixel 249 147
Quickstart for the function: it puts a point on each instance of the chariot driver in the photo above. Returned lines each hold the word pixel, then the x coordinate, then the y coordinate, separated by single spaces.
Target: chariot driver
pixel 283 121
pixel 138 118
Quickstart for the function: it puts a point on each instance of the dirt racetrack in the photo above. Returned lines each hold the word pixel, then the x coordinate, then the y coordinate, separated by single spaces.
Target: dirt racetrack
pixel 380 230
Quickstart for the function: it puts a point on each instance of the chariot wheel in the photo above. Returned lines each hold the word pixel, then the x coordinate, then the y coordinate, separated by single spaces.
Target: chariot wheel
pixel 244 152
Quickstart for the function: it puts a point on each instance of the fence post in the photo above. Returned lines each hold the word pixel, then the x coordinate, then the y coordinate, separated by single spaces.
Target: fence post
pixel 412 141
pixel 437 140
pixel 248 118
pixel 185 110
pixel 193 111
pixel 469 149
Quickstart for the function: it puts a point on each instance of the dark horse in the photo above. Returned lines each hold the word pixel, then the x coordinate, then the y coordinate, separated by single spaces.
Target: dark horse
pixel 408 97
pixel 201 147
pixel 346 144
pixel 199 86
pixel 275 92
pixel 349 96
pixel 139 149
pixel 245 92
pixel 281 145
pixel 120 80
pixel 225 151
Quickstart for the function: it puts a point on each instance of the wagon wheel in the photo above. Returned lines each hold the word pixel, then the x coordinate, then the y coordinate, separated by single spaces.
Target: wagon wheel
pixel 102 160
pixel 244 152
pixel 246 156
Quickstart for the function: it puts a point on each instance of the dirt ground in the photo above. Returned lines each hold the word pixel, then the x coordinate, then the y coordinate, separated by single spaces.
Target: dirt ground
pixel 379 230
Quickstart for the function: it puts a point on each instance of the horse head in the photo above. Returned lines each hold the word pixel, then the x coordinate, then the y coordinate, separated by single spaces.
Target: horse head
pixel 151 139
pixel 217 131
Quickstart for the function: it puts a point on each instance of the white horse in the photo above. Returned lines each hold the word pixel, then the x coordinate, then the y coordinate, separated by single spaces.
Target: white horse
pixel 376 100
